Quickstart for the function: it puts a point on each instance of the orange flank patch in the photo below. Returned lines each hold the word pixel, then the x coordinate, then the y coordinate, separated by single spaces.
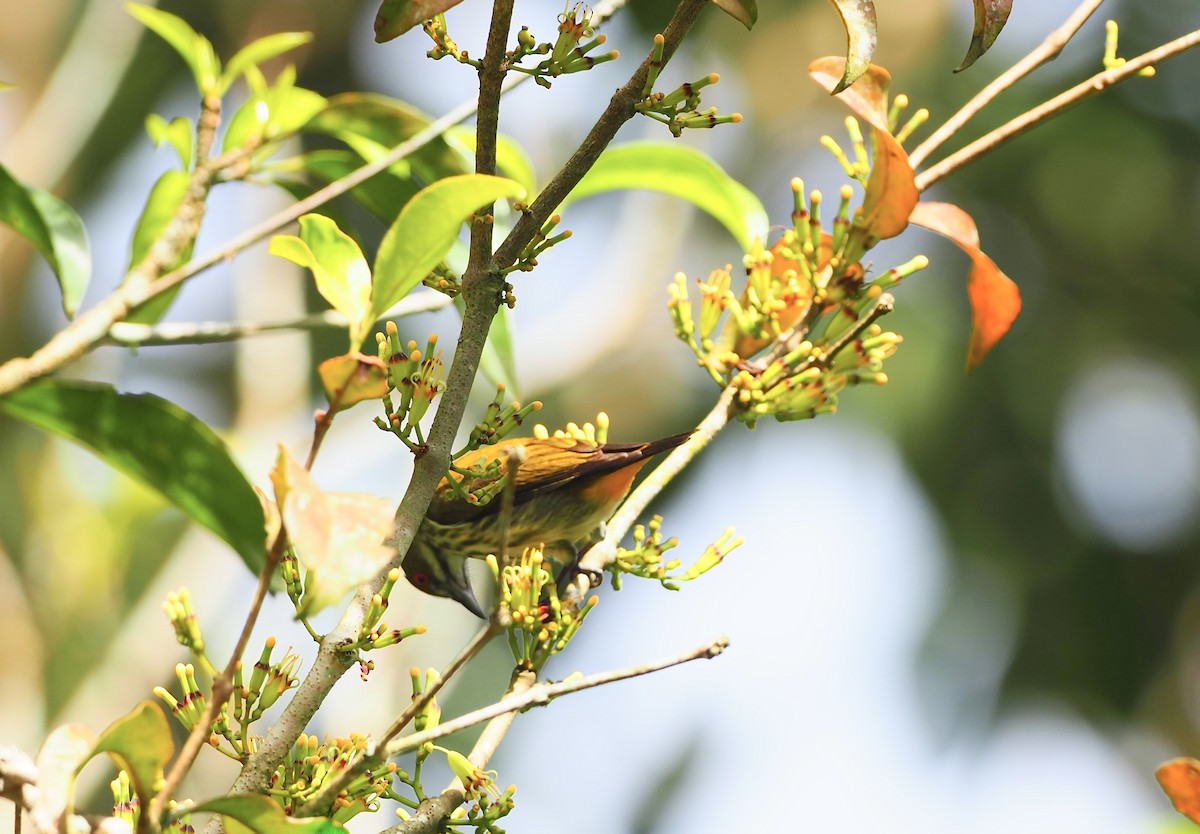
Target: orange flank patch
pixel 611 487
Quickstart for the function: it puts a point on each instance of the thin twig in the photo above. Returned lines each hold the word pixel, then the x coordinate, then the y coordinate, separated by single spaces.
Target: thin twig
pixel 540 694
pixel 133 335
pixel 222 688
pixel 1047 50
pixel 1097 83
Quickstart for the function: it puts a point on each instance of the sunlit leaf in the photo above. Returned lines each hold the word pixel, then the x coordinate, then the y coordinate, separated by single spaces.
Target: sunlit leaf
pixel 341 272
pixel 372 125
pixel 383 195
pixel 273 114
pixel 161 206
pixel 352 378
pixel 858 16
pixel 194 48
pixel 255 52
pixel 56 232
pixel 262 815
pixel 891 192
pixel 396 17
pixel 141 744
pixel 681 172
pixel 157 443
pixel 744 12
pixel 990 17
pixel 995 299
pixel 1180 781
pixel 177 133
pixel 511 159
pixel 64 752
pixel 868 98
pixel 338 536
pixel 426 229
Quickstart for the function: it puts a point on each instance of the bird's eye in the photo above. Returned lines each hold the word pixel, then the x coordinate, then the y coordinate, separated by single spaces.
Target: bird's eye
pixel 420 579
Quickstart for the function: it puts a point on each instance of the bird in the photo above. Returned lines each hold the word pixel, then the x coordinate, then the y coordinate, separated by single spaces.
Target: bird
pixel 564 490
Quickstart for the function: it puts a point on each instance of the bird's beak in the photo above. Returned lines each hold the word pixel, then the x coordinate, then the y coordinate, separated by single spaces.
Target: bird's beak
pixel 460 592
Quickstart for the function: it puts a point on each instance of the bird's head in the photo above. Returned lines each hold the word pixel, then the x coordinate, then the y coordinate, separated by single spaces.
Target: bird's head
pixel 441 577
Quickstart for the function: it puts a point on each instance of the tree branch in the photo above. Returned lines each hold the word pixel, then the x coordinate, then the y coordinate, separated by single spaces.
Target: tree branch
pixel 1097 83
pixel 1047 50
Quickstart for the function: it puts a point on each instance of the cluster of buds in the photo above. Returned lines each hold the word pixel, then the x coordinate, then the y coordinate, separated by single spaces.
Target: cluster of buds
pixel 541 624
pixel 126 805
pixel 416 378
pixel 373 634
pixel 543 240
pixel 807 300
pixel 645 558
pixel 679 109
pixel 591 432
pixel 568 54
pixel 443 44
pixel 445 280
pixel 178 608
pixel 190 706
pixel 311 765
pixel 479 785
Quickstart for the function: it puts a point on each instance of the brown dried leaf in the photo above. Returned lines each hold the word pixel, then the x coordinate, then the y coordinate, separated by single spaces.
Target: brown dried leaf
pixel 396 17
pixel 990 17
pixel 744 12
pixel 858 16
pixel 868 98
pixel 995 299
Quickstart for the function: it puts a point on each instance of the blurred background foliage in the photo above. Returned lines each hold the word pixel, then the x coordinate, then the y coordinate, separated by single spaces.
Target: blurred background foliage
pixel 1064 474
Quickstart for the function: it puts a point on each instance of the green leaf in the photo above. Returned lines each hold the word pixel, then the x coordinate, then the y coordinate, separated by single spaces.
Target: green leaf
pixel 141 744
pixel 990 17
pixel 383 195
pixel 255 52
pixel 262 815
pixel 177 132
pixel 744 12
pixel 425 231
pixel 396 17
pixel 276 114
pixel 682 172
pixel 56 232
pixel 511 159
pixel 162 204
pixel 858 16
pixel 341 272
pixel 372 125
pixel 194 48
pixel 157 443
pixel 338 536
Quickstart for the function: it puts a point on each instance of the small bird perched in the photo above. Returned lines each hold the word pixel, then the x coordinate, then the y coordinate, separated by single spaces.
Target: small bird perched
pixel 564 490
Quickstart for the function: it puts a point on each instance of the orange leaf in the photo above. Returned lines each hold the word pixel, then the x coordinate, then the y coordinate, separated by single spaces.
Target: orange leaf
pixel 1180 781
pixel 868 97
pixel 891 192
pixel 995 299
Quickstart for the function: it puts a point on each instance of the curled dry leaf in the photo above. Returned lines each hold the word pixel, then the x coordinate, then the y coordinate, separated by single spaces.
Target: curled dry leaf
pixel 995 299
pixel 1180 781
pixel 990 17
pixel 868 98
pixel 858 16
